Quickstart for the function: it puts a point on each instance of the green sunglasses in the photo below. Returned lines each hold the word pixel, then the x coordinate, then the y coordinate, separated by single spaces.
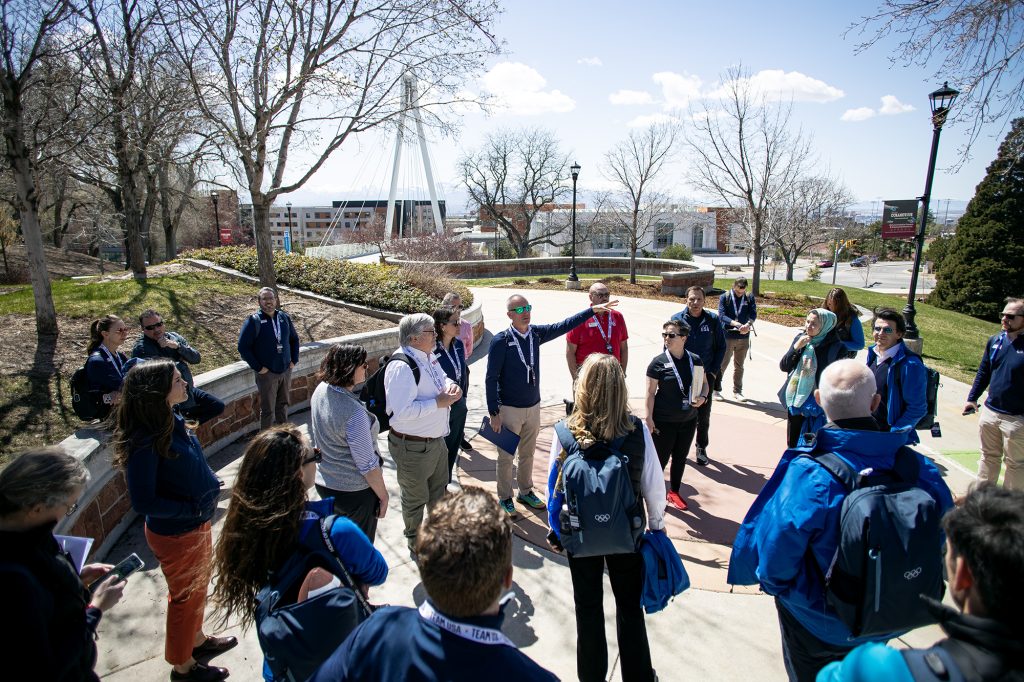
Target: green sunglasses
pixel 521 309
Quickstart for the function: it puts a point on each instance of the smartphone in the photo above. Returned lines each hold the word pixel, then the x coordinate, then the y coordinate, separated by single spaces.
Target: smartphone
pixel 968 411
pixel 125 568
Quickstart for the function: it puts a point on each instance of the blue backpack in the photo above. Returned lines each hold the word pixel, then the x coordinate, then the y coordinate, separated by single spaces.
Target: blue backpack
pixel 664 574
pixel 602 513
pixel 297 638
pixel 890 547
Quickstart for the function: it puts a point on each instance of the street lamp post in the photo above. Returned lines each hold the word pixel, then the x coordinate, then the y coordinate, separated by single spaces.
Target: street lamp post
pixel 291 237
pixel 573 281
pixel 214 197
pixel 941 100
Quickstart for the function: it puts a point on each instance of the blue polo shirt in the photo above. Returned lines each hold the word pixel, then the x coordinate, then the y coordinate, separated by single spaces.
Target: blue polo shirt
pixel 1002 372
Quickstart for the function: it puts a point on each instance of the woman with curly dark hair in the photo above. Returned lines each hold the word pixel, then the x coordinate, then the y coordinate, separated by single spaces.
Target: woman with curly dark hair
pixel 171 484
pixel 848 327
pixel 346 434
pixel 267 520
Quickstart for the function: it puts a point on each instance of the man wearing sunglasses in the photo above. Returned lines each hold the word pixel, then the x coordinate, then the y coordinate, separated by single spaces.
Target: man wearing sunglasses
pixel 513 391
pixel 1001 426
pixel 900 376
pixel 604 333
pixel 157 342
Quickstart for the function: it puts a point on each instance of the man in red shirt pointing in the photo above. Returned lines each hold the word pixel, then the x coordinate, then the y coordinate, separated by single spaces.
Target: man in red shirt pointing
pixel 605 332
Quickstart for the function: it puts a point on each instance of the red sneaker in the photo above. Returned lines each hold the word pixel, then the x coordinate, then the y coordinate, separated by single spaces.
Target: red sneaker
pixel 676 501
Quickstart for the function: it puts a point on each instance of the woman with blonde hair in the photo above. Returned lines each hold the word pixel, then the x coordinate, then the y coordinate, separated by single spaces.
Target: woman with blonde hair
pixel 600 427
pixel 173 487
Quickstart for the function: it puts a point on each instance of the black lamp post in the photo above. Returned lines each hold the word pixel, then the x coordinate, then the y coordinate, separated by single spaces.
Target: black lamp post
pixel 575 170
pixel 291 237
pixel 941 100
pixel 214 197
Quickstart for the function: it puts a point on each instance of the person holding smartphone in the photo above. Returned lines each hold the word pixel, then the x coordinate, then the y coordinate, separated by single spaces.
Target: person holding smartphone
pixel 51 614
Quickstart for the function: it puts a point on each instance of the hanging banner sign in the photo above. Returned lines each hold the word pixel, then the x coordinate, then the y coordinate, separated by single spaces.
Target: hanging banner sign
pixel 899 219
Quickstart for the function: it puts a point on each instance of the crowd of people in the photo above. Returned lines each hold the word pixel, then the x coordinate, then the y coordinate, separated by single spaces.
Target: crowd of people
pixel 864 413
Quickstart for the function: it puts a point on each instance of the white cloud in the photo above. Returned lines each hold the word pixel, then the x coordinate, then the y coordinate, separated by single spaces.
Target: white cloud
pixel 677 89
pixel 630 97
pixel 787 85
pixel 651 119
pixel 519 89
pixel 859 114
pixel 590 61
pixel 892 106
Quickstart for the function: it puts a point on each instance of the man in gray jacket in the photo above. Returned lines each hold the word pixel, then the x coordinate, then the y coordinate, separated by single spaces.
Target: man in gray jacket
pixel 157 342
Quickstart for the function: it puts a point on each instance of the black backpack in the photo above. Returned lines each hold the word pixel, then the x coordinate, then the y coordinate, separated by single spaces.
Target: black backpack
pixel 890 547
pixel 931 392
pixel 372 393
pixel 297 638
pixel 603 512
pixel 86 401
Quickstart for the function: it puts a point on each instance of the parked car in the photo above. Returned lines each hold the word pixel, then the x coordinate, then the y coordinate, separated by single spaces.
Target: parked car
pixel 859 262
pixel 824 264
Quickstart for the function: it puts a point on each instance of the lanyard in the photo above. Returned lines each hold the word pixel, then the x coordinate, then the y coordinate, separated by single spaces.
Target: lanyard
pixel 275 321
pixel 474 633
pixel 114 360
pixel 606 336
pixel 438 383
pixel 996 347
pixel 738 307
pixel 529 341
pixel 455 363
pixel 679 379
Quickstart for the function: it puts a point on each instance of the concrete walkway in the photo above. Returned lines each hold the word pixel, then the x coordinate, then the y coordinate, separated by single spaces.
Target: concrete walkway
pixel 697 635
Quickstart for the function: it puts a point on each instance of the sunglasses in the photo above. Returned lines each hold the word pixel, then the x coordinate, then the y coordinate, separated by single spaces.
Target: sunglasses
pixel 521 309
pixel 606 294
pixel 316 457
pixel 452 323
pixel 155 325
pixel 671 335
pixel 1009 316
pixel 71 510
pixel 884 330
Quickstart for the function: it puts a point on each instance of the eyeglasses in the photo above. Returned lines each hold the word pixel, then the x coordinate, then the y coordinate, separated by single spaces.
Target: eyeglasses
pixel 884 330
pixel 519 310
pixel 155 325
pixel 71 510
pixel 429 331
pixel 453 323
pixel 671 335
pixel 1009 316
pixel 601 294
pixel 741 288
pixel 315 458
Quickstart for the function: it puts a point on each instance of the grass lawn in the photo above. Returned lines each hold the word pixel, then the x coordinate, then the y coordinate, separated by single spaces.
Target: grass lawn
pixel 953 342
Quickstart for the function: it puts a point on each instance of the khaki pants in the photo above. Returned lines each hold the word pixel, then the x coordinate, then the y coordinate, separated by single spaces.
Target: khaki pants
pixel 1002 440
pixel 524 421
pixel 422 477
pixel 273 390
pixel 739 348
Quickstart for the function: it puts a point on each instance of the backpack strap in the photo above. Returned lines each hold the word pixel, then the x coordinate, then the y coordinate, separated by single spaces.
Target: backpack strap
pixel 932 664
pixel 840 469
pixel 399 355
pixel 326 525
pixel 565 438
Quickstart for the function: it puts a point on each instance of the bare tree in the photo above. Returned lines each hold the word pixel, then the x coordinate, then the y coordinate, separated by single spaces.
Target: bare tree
pixel 512 177
pixel 746 155
pixel 977 45
pixel 633 165
pixel 806 216
pixel 277 78
pixel 29 35
pixel 373 232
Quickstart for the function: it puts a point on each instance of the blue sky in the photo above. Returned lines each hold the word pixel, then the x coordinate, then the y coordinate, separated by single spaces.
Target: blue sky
pixel 591 70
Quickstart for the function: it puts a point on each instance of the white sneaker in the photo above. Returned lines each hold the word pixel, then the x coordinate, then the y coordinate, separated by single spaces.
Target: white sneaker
pixel 738 397
pixel 718 395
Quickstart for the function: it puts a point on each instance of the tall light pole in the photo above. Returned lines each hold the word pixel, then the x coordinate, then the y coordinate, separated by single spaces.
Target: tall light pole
pixel 291 237
pixel 575 170
pixel 941 100
pixel 214 197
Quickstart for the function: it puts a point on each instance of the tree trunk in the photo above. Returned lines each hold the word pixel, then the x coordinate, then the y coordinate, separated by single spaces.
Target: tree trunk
pixel 789 269
pixel 264 249
pixel 167 222
pixel 757 255
pixel 632 263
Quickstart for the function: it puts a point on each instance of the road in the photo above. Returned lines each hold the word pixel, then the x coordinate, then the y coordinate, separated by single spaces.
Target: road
pixel 889 276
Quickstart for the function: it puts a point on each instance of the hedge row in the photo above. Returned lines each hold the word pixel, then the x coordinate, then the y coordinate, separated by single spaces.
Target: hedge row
pixel 385 287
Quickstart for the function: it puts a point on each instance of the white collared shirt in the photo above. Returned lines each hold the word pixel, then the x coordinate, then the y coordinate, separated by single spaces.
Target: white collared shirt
pixel 414 406
pixel 883 355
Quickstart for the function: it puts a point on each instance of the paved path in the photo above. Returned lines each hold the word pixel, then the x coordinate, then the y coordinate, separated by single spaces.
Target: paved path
pixel 706 632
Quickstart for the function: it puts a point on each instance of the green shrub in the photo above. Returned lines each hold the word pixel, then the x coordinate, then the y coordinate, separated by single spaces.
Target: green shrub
pixel 547 280
pixel 814 274
pixel 386 287
pixel 521 282
pixel 677 252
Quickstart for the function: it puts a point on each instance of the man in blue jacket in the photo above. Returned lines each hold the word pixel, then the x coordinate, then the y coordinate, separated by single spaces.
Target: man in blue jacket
pixel 707 340
pixel 795 520
pixel 900 377
pixel 513 391
pixel 269 344
pixel 738 311
pixel 1001 426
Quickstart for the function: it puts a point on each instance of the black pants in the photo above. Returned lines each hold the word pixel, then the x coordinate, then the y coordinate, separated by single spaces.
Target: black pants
pixel 794 424
pixel 704 422
pixel 206 407
pixel 456 424
pixel 673 440
pixel 803 654
pixel 361 506
pixel 626 574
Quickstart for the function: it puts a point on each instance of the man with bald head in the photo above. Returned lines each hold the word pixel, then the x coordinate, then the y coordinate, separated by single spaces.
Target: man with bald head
pixel 513 390
pixel 795 519
pixel 603 333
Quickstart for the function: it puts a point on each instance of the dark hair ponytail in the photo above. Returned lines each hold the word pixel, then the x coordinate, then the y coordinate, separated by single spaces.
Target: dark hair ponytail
pixel 96 330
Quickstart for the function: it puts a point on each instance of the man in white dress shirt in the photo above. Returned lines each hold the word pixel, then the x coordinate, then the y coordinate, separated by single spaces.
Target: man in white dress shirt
pixel 419 420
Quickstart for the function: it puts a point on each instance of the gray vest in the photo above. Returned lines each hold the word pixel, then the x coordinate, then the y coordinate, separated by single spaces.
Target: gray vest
pixel 330 411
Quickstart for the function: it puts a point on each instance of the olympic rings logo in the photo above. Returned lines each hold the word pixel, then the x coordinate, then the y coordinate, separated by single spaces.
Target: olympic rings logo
pixel 602 518
pixel 910 575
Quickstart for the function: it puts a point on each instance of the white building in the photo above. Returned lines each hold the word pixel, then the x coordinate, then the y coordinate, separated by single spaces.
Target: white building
pixel 694 230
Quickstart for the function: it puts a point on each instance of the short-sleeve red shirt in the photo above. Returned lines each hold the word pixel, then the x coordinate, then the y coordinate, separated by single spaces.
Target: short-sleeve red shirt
pixel 588 339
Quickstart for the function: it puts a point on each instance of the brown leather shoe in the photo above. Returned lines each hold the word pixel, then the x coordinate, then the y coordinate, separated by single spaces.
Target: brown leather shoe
pixel 200 672
pixel 213 646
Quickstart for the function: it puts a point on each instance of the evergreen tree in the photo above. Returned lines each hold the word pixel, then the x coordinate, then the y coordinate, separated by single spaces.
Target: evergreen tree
pixel 984 264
